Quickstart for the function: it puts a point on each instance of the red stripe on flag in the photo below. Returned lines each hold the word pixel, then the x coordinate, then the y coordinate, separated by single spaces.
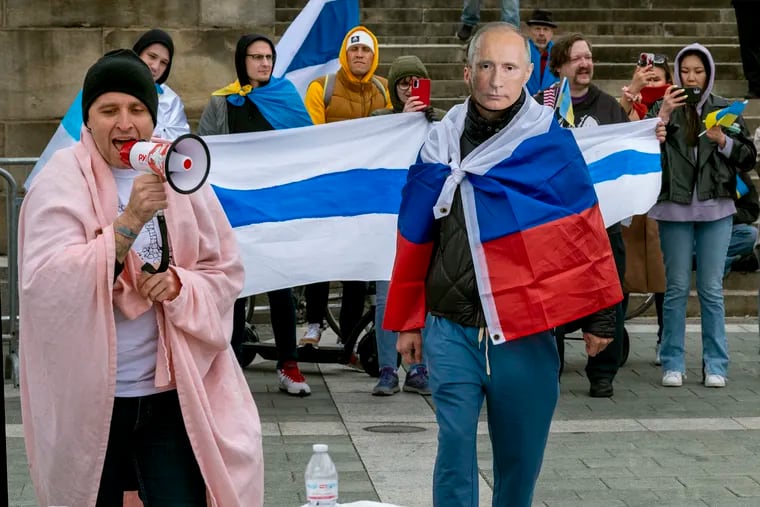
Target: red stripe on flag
pixel 552 274
pixel 405 309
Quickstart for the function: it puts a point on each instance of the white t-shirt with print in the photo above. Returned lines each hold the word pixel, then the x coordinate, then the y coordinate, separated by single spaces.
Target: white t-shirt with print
pixel 137 340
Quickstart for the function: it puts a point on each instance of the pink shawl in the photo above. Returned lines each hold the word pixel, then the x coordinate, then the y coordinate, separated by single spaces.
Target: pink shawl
pixel 68 336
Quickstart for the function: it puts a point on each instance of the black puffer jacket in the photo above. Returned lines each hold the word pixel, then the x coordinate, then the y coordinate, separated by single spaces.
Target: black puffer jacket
pixel 451 288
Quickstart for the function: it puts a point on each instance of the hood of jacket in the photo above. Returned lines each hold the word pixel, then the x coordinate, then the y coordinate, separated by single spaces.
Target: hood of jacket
pixel 343 57
pixel 403 67
pixel 710 70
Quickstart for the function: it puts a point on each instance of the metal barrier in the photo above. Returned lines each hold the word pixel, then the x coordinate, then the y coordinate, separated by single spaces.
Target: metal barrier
pixel 12 204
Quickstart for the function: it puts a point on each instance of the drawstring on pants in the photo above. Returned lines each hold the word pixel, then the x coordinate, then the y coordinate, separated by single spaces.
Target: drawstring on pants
pixel 483 332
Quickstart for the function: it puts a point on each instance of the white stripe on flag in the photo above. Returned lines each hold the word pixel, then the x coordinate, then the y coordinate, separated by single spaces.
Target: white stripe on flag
pixel 624 160
pixel 303 226
pixel 302 77
pixel 297 252
pixel 310 46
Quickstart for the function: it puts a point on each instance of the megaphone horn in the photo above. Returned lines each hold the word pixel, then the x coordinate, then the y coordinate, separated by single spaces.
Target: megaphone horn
pixel 184 164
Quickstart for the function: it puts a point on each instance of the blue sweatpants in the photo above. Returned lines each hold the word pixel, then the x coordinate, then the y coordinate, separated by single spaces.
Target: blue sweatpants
pixel 521 393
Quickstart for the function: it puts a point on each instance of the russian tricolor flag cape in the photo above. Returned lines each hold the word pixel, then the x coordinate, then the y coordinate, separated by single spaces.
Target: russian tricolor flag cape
pixel 538 240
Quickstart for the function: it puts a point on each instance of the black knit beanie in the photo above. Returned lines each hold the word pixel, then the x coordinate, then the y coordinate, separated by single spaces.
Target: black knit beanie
pixel 240 52
pixel 156 36
pixel 120 70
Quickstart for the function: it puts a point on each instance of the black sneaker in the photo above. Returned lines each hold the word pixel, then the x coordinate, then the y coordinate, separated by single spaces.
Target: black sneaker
pixel 465 32
pixel 601 388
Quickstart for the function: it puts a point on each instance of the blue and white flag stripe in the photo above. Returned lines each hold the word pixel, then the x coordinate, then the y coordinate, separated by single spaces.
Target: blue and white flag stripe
pixel 624 162
pixel 321 203
pixel 316 203
pixel 310 46
pixel 317 197
pixel 67 133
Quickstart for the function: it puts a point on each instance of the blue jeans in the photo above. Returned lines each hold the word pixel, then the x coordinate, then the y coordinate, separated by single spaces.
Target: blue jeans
pixel 743 237
pixel 149 450
pixel 510 12
pixel 710 244
pixel 521 393
pixel 387 356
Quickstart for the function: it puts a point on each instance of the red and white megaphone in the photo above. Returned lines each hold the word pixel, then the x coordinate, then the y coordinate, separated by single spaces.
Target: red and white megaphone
pixel 184 163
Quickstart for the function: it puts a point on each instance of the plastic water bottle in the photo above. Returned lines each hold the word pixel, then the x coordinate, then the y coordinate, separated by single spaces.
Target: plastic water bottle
pixel 321 479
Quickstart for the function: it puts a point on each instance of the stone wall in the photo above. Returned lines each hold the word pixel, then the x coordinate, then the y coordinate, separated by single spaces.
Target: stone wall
pixel 47 46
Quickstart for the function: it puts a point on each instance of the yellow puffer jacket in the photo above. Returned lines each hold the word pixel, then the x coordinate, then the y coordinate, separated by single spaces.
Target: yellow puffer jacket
pixel 352 97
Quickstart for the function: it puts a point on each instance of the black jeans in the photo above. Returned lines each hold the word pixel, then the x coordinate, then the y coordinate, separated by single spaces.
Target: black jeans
pixel 148 450
pixel 351 307
pixel 282 312
pixel 606 363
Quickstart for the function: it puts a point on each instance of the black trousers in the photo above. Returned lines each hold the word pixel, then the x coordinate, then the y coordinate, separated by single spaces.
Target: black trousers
pixel 351 307
pixel 149 451
pixel 747 17
pixel 282 312
pixel 607 362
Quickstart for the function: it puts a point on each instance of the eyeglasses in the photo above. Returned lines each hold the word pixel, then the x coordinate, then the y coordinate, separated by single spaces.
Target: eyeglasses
pixel 260 58
pixel 406 83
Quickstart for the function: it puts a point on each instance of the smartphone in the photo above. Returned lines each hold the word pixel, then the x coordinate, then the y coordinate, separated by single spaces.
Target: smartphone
pixel 693 95
pixel 645 59
pixel 421 89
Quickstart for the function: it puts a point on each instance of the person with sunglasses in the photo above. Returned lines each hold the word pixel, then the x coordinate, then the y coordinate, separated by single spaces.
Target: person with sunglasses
pixel 644 268
pixel 651 77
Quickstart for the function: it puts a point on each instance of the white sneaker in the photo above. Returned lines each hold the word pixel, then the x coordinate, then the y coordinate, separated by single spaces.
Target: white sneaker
pixel 312 335
pixel 673 379
pixel 292 381
pixel 715 381
pixel 657 360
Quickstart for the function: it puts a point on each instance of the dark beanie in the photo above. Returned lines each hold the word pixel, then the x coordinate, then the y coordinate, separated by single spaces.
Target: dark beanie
pixel 240 52
pixel 156 36
pixel 120 70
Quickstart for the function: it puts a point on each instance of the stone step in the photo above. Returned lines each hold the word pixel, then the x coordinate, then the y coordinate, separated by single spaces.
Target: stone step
pixel 602 70
pixel 425 14
pixel 641 29
pixel 738 303
pixel 634 40
pixel 603 52
pixel 527 6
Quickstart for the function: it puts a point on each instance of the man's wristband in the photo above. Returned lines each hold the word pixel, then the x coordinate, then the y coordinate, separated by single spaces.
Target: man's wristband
pixel 125 231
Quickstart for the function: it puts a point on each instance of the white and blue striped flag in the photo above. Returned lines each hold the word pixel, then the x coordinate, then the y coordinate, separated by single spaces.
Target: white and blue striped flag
pixel 321 203
pixel 310 46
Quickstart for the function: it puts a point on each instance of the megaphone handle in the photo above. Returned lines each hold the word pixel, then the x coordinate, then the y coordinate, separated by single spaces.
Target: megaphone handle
pixel 147 267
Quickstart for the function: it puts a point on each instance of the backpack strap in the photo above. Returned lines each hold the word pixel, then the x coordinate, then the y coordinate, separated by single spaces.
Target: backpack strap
pixel 379 85
pixel 328 86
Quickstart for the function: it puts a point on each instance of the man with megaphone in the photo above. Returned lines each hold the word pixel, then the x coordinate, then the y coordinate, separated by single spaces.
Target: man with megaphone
pixel 257 102
pixel 127 372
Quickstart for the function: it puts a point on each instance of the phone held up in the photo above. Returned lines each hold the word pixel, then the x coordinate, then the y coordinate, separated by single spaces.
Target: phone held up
pixel 645 59
pixel 693 94
pixel 421 89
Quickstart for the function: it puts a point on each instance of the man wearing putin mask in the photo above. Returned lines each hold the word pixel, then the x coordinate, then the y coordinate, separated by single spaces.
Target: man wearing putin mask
pixel 124 349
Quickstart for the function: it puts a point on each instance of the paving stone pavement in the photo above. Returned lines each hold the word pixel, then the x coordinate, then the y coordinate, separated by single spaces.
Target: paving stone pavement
pixel 648 445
